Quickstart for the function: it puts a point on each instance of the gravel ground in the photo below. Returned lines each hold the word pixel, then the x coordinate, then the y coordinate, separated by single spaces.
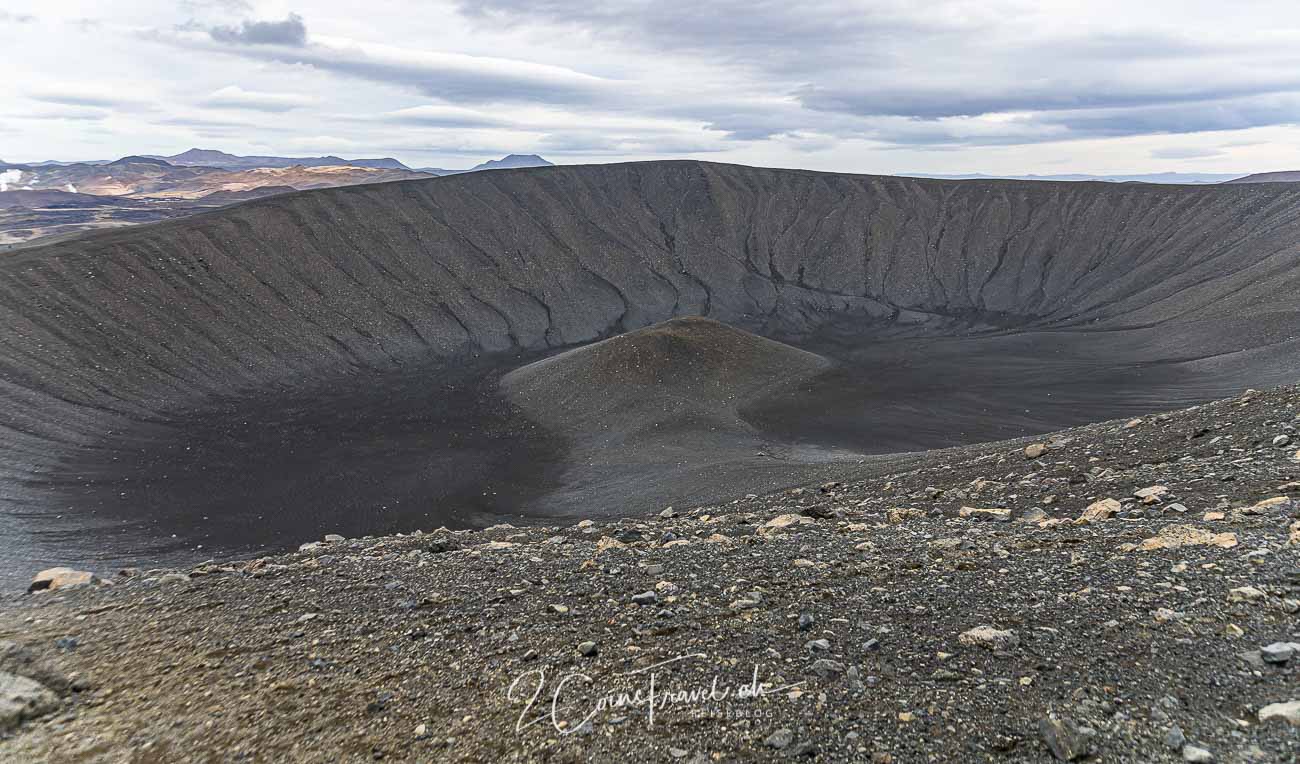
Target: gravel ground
pixel 958 611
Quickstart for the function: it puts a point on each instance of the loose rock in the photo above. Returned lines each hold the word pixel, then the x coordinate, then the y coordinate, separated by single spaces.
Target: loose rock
pixel 62 578
pixel 1174 536
pixel 989 637
pixel 1279 652
pixel 1099 511
pixel 22 699
pixel 782 522
pixel 1288 712
pixel 992 513
pixel 1063 738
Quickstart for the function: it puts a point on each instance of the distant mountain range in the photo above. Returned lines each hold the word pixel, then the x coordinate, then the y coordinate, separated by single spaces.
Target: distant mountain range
pixel 224 161
pixel 1285 176
pixel 1180 178
pixel 512 161
pixel 59 163
pixel 199 172
pixel 150 177
pixel 212 158
pixel 42 199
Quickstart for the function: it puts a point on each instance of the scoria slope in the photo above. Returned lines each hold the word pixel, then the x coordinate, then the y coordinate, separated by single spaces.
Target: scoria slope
pixel 665 403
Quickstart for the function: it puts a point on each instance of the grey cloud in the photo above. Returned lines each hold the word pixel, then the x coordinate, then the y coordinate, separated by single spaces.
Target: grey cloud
pixel 16 18
pixel 744 133
pixel 90 98
pixel 601 142
pixel 451 83
pixel 451 77
pixel 915 120
pixel 199 122
pixel 442 118
pixel 1075 104
pixel 975 77
pixel 1175 152
pixel 235 102
pixel 747 125
pixel 740 120
pixel 1226 114
pixel 850 64
pixel 76 99
pixel 933 135
pixel 1044 127
pixel 76 113
pixel 930 102
pixel 425 149
pixel 292 31
pixel 771 35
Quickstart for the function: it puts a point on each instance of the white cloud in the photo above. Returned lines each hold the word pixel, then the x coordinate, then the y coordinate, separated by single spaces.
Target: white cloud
pixel 235 97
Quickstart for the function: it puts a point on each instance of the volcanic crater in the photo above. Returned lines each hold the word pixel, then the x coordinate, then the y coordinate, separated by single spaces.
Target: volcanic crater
pixel 597 341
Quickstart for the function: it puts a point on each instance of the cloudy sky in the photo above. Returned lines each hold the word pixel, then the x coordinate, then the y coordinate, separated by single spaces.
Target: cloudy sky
pixel 996 86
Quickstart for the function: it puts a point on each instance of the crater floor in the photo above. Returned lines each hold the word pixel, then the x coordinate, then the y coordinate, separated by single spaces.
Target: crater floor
pixel 624 427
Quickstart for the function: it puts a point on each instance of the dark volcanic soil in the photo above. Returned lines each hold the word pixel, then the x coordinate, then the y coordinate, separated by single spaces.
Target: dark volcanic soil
pixel 948 606
pixel 246 476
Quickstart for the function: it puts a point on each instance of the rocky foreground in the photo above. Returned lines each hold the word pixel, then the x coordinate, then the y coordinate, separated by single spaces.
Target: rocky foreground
pixel 1127 591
